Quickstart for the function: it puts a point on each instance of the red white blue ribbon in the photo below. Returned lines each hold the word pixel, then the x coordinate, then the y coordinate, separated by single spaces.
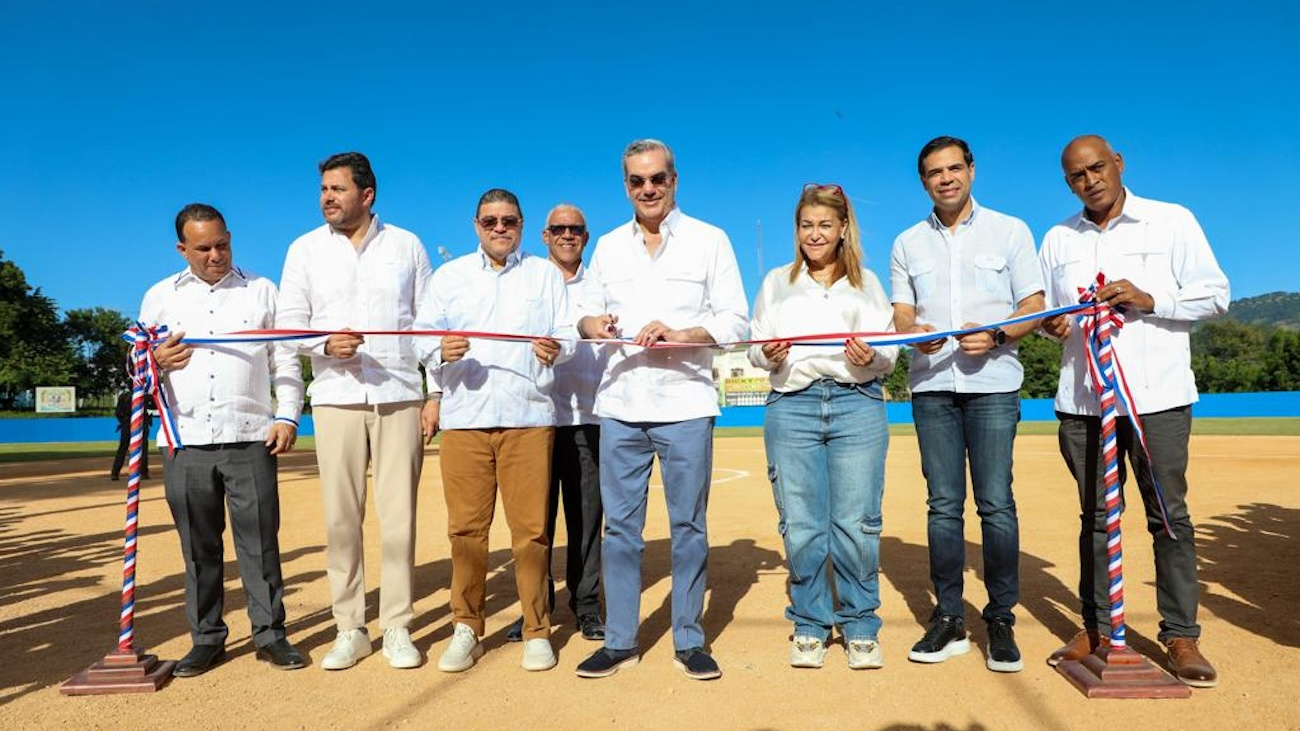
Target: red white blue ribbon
pixel 147 376
pixel 1099 323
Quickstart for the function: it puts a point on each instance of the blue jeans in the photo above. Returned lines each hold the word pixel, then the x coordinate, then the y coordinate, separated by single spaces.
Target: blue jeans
pixel 826 459
pixel 950 428
pixel 627 450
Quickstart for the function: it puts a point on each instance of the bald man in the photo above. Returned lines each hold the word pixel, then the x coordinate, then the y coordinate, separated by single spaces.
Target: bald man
pixel 1161 273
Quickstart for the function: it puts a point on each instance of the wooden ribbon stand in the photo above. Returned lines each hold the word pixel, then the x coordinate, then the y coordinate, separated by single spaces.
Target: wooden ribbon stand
pixel 126 670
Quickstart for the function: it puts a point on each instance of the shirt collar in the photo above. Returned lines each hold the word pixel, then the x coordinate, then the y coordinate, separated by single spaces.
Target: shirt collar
pixel 668 228
pixel 974 211
pixel 512 260
pixel 1135 209
pixel 371 231
pixel 234 278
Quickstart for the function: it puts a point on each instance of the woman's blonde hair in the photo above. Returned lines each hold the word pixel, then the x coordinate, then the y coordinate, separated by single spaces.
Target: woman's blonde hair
pixel 848 255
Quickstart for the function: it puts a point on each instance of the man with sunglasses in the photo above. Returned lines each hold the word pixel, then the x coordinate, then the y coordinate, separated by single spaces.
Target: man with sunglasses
pixel 498 419
pixel 962 266
pixel 575 458
pixel 357 272
pixel 663 278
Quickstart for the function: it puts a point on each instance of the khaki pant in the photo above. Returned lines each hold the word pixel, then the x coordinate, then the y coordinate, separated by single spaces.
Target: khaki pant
pixel 476 464
pixel 347 437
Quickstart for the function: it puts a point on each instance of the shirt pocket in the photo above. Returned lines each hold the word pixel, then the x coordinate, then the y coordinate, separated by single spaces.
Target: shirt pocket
pixel 923 278
pixel 1148 267
pixel 991 274
pixel 684 289
pixel 1067 277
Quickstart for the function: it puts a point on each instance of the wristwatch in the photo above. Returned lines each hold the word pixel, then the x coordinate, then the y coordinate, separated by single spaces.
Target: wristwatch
pixel 999 337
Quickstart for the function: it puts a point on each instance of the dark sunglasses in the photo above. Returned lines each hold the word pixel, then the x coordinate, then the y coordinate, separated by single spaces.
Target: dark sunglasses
pixel 558 229
pixel 829 188
pixel 490 222
pixel 658 180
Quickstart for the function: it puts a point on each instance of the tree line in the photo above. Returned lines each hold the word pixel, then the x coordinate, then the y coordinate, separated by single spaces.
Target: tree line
pixel 83 348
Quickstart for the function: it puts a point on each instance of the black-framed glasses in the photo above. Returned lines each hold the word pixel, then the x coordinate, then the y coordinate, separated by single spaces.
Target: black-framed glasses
pixel 559 229
pixel 657 180
pixel 490 222
pixel 827 187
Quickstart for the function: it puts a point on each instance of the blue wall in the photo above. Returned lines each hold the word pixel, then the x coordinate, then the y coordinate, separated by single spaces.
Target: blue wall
pixel 1216 405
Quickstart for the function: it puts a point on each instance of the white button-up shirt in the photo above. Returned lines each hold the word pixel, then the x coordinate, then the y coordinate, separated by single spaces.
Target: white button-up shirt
pixel 691 281
pixel 784 309
pixel 978 273
pixel 576 380
pixel 329 284
pixel 498 383
pixel 223 395
pixel 1160 248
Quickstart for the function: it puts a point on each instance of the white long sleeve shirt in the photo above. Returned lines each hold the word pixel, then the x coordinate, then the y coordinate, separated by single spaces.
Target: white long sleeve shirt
pixel 223 395
pixel 805 307
pixel 328 284
pixel 576 380
pixel 978 273
pixel 1160 248
pixel 498 384
pixel 691 281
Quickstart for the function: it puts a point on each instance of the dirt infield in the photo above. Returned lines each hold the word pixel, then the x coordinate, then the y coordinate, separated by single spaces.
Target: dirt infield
pixel 60 569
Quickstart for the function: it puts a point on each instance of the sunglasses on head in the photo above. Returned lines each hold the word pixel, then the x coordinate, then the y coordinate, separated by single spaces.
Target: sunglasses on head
pixel 829 188
pixel 490 222
pixel 558 229
pixel 658 180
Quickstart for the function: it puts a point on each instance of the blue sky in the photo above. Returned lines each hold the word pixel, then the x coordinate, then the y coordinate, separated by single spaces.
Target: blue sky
pixel 114 115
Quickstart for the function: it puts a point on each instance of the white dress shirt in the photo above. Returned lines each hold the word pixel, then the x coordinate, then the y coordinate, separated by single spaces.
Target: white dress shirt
pixel 223 395
pixel 978 273
pixel 691 281
pixel 498 384
pixel 806 308
pixel 576 380
pixel 1160 248
pixel 329 284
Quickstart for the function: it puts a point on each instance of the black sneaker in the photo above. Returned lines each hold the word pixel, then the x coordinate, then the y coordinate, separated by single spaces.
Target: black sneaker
pixel 697 664
pixel 591 627
pixel 515 632
pixel 605 662
pixel 1004 656
pixel 945 638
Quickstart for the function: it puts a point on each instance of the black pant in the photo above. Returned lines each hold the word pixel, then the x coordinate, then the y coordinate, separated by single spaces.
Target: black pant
pixel 199 482
pixel 575 473
pixel 124 444
pixel 1177 591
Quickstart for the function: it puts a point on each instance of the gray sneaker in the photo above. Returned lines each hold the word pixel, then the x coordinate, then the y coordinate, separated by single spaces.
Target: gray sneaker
pixel 461 653
pixel 807 652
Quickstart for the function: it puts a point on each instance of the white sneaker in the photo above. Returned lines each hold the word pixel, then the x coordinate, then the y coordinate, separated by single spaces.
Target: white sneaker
pixel 807 652
pixel 399 650
pixel 462 652
pixel 538 655
pixel 865 655
pixel 350 645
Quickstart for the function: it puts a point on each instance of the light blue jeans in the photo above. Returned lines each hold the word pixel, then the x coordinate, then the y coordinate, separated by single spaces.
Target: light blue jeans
pixel 826 459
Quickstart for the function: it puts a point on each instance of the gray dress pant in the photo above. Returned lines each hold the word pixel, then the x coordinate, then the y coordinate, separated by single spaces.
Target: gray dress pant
pixel 1177 590
pixel 575 474
pixel 200 481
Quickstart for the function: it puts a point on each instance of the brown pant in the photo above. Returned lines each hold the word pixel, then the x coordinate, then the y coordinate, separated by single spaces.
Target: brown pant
pixel 388 437
pixel 476 463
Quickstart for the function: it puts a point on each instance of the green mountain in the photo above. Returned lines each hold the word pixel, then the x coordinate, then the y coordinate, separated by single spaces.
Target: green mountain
pixel 1275 309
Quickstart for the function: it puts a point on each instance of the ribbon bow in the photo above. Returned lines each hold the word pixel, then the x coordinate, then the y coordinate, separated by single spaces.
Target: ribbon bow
pixel 146 376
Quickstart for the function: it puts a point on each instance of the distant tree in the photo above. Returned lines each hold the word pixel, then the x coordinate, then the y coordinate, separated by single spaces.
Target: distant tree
pixel 96 336
pixel 896 383
pixel 1229 356
pixel 34 349
pixel 1282 362
pixel 1041 358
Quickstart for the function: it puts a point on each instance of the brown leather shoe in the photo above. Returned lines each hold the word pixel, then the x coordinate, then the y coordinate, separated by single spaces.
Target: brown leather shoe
pixel 1085 642
pixel 1190 665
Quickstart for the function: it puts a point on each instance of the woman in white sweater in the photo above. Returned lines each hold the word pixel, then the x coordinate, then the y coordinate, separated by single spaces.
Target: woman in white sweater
pixel 825 429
